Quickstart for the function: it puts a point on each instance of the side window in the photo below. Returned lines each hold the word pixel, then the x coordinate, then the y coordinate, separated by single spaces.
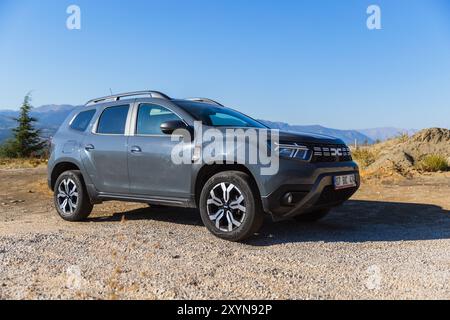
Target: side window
pixel 82 120
pixel 113 120
pixel 150 117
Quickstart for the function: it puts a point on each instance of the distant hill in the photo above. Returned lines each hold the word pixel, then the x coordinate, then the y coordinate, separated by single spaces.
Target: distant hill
pixel 383 134
pixel 49 119
pixel 52 115
pixel 4 134
pixel 348 136
pixel 7 119
pixel 59 108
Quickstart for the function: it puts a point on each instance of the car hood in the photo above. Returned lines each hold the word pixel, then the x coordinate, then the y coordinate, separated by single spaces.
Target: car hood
pixel 305 137
pixel 298 137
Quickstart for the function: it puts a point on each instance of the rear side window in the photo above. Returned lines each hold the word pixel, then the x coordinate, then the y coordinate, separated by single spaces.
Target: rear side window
pixel 82 120
pixel 113 120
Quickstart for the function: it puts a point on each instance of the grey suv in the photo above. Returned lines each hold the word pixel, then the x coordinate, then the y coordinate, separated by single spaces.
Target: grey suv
pixel 119 148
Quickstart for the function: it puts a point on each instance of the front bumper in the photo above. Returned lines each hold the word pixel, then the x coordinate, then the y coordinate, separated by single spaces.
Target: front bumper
pixel 320 193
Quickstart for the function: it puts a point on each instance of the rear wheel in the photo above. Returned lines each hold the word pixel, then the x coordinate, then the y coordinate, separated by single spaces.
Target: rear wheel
pixel 313 215
pixel 230 206
pixel 70 197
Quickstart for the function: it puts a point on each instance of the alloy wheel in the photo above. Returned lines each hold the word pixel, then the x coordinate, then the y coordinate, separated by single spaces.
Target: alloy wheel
pixel 226 207
pixel 67 197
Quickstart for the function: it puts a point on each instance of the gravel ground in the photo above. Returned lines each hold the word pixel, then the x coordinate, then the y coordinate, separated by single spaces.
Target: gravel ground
pixel 391 240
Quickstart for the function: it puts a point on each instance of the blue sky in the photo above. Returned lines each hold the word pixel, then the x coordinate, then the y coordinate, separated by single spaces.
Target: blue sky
pixel 302 62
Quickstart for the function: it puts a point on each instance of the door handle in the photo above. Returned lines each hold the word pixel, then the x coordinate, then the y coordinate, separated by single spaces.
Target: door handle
pixel 135 149
pixel 89 147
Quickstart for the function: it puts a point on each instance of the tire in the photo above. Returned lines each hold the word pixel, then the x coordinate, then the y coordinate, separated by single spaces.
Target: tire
pixel 77 208
pixel 313 216
pixel 231 220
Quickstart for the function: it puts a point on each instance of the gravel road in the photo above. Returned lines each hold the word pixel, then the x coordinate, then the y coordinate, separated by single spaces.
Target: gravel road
pixel 391 240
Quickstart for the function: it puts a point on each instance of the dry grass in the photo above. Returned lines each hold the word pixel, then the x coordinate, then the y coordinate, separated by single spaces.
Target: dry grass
pixel 391 174
pixel 364 156
pixel 433 163
pixel 7 163
pixel 40 187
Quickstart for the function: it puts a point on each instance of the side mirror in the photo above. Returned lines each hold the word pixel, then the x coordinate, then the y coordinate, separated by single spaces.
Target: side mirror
pixel 169 127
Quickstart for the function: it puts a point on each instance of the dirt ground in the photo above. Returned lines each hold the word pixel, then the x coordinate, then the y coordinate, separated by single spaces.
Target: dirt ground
pixel 391 240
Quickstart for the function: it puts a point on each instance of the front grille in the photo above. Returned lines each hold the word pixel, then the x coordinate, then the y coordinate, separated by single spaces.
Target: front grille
pixel 315 152
pixel 330 153
pixel 330 196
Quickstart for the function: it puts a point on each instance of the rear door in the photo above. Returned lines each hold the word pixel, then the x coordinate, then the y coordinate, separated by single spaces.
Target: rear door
pixel 151 170
pixel 105 150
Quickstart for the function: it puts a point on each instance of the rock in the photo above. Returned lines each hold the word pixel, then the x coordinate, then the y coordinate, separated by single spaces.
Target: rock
pixel 433 135
pixel 402 156
pixel 16 201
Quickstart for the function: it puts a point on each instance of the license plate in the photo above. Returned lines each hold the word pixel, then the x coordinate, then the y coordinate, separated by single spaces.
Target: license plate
pixel 343 182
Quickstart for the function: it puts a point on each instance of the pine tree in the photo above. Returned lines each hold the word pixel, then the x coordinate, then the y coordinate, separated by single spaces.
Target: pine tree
pixel 26 141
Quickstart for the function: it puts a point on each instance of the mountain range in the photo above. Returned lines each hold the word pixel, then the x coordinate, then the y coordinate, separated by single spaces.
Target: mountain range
pixel 50 118
pixel 385 133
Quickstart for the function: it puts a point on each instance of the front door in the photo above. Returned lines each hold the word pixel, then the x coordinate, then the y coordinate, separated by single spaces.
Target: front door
pixel 151 170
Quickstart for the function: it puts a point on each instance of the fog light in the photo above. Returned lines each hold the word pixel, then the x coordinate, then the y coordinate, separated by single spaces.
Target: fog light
pixel 288 199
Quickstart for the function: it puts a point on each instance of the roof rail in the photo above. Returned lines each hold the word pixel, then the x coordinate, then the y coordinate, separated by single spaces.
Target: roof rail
pixel 205 100
pixel 117 97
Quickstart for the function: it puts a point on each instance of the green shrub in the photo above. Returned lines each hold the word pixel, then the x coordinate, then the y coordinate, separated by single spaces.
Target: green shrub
pixel 364 156
pixel 403 137
pixel 26 141
pixel 433 163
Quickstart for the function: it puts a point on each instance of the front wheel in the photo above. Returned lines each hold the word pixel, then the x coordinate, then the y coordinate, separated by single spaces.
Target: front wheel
pixel 70 196
pixel 230 206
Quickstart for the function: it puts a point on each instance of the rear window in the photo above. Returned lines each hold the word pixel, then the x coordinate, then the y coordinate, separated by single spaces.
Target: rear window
pixel 113 120
pixel 82 120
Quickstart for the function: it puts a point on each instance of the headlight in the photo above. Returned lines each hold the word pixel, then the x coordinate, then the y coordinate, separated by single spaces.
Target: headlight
pixel 294 151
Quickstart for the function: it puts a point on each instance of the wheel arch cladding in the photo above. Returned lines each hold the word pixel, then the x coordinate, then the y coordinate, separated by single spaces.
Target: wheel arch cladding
pixel 60 168
pixel 207 171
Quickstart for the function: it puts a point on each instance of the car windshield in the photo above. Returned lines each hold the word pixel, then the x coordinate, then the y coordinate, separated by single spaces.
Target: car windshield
pixel 217 116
